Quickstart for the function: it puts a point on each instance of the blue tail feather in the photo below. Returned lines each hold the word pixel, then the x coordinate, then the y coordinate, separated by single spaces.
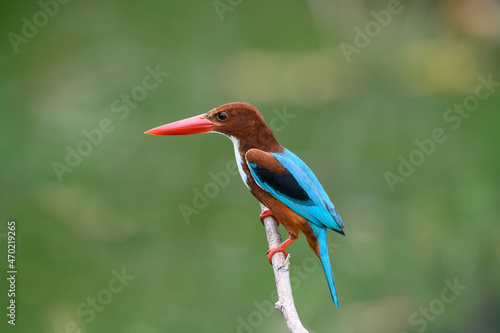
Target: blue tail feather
pixel 325 261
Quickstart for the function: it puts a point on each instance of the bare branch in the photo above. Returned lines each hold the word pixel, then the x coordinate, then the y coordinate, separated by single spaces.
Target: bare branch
pixel 281 268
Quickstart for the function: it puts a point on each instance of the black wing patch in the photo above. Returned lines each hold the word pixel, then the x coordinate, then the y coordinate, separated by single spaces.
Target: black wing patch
pixel 284 183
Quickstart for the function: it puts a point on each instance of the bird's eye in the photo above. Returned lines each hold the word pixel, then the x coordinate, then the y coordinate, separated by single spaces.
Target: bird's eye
pixel 222 116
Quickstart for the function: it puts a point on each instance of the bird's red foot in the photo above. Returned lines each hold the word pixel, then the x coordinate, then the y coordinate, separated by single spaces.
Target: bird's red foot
pixel 265 214
pixel 273 251
pixel 279 248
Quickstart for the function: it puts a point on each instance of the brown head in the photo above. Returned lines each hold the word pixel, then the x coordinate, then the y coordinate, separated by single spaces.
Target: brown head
pixel 241 122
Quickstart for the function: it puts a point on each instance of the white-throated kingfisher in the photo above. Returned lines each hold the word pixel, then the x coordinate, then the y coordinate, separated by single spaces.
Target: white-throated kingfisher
pixel 276 177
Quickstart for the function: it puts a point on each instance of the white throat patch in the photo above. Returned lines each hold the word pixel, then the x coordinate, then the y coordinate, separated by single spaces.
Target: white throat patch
pixel 239 160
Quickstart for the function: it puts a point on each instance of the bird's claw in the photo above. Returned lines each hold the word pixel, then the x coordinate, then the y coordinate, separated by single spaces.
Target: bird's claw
pixel 265 214
pixel 273 251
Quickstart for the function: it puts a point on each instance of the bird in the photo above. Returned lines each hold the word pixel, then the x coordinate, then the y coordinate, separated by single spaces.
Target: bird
pixel 275 176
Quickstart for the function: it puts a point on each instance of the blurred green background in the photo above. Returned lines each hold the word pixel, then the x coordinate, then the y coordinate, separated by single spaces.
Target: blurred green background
pixel 117 211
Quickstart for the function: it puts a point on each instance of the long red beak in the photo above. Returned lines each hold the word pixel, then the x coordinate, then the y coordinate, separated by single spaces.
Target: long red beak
pixel 193 125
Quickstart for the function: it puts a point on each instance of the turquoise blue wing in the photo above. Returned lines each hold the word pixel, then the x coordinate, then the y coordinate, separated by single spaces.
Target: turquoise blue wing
pixel 288 179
